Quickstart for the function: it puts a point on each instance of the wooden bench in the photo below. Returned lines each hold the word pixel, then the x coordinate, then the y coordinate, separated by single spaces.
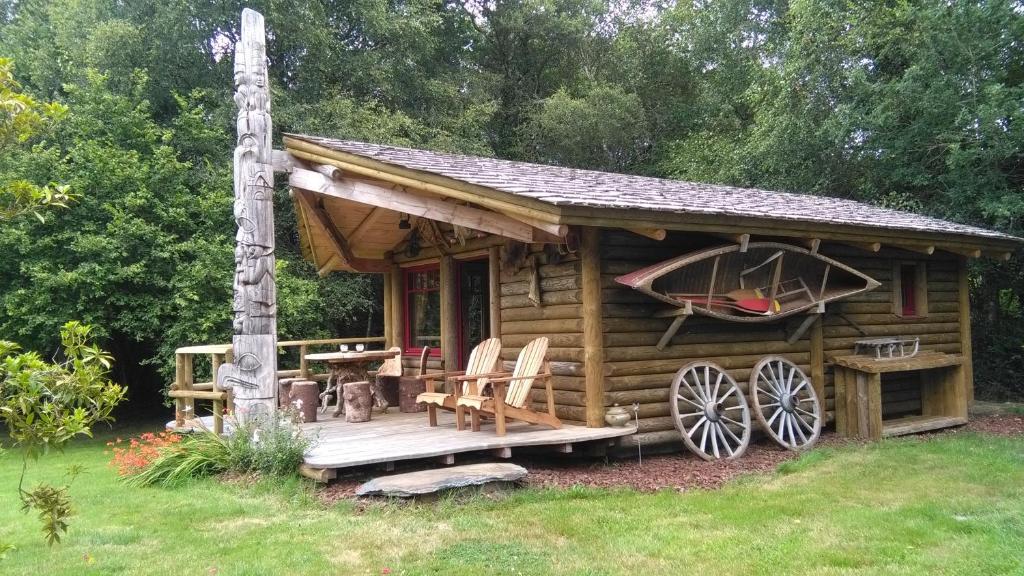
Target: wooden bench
pixel 859 394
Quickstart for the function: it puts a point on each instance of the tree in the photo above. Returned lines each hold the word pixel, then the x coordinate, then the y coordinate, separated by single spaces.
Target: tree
pixel 604 129
pixel 21 117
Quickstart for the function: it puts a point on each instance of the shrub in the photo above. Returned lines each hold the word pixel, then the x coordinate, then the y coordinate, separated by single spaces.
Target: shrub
pixel 44 405
pixel 140 452
pixel 272 447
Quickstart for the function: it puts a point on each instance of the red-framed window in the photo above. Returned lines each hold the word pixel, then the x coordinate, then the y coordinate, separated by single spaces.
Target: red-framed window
pixel 422 286
pixel 908 289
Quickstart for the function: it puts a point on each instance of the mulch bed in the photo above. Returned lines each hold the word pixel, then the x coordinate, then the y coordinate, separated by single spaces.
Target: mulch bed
pixel 996 425
pixel 680 471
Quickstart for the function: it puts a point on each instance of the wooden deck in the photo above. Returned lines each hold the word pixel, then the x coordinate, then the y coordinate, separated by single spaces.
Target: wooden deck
pixel 396 436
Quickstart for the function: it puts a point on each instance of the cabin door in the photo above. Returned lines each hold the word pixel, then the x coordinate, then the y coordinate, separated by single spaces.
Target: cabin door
pixel 474 321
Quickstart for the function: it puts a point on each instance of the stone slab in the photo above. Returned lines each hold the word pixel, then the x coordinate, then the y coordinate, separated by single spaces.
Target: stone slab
pixel 430 481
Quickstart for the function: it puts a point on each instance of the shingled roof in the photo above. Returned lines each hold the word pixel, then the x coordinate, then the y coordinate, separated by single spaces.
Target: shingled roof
pixel 564 187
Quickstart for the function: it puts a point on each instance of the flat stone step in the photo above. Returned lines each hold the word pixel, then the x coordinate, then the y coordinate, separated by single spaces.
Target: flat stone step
pixel 430 481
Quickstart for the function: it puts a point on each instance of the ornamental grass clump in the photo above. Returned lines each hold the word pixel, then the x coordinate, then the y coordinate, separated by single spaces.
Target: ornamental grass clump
pixel 273 446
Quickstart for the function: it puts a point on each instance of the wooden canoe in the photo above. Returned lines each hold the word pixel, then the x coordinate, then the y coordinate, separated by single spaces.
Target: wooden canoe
pixel 767 282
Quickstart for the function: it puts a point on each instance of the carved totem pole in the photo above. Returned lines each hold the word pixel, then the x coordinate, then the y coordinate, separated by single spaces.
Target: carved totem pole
pixel 253 374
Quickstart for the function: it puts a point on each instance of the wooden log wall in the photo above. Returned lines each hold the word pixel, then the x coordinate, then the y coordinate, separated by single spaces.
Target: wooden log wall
pixel 638 372
pixel 559 318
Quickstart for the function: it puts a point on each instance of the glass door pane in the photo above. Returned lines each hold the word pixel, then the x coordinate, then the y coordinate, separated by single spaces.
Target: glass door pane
pixel 474 306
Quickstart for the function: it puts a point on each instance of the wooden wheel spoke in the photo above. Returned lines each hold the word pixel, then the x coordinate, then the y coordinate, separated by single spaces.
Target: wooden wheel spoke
pixel 732 435
pixel 774 389
pixel 789 381
pixel 718 384
pixel 731 421
pixel 718 428
pixel 765 391
pixel 698 392
pixel 707 383
pixel 811 414
pixel 727 394
pixel 801 422
pixel 714 440
pixel 789 427
pixel 681 397
pixel 704 437
pixel 774 416
pixel 799 387
pixel 693 430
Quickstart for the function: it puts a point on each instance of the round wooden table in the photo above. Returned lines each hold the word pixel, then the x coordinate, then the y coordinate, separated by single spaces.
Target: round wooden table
pixel 351 367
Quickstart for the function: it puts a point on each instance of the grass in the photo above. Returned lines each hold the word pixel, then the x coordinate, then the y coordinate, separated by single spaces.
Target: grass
pixel 947 505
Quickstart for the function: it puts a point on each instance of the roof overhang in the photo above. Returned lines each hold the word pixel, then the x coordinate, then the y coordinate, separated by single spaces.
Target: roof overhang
pixel 653 223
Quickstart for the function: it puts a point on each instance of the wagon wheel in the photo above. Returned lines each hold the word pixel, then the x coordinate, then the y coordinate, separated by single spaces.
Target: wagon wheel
pixel 785 403
pixel 710 411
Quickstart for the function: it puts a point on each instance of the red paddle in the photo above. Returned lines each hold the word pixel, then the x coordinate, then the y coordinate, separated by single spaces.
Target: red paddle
pixel 756 305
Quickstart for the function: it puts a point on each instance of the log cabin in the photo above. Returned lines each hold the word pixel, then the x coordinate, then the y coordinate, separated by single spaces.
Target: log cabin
pixel 474 247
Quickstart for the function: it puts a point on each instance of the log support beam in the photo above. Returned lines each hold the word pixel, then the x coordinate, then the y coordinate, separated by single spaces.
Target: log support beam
pixel 866 246
pixel 742 239
pixel 658 234
pixel 806 324
pixel 678 315
pixel 965 252
pixel 416 205
pixel 926 249
pixel 593 326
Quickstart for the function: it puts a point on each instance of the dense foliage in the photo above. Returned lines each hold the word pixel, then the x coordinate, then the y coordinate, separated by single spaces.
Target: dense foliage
pixel 907 103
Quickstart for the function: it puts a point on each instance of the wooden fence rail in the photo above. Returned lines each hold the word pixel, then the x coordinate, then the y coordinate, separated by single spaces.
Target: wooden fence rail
pixel 185 390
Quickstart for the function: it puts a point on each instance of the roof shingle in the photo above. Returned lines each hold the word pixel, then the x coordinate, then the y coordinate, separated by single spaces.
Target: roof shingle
pixel 572 187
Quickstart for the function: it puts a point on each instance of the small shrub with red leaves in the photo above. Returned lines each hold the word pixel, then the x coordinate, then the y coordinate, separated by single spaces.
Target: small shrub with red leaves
pixel 138 453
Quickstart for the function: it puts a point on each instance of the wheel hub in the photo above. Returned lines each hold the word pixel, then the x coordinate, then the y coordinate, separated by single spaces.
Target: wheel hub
pixel 713 411
pixel 789 402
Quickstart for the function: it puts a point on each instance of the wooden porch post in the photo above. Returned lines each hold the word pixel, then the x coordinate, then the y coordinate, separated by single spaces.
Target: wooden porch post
pixel 252 374
pixel 966 348
pixel 389 335
pixel 817 341
pixel 494 287
pixel 593 328
pixel 397 306
pixel 449 313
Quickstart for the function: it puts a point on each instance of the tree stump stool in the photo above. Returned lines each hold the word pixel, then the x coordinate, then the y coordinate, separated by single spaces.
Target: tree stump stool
pixel 408 389
pixel 303 395
pixel 387 386
pixel 358 401
pixel 284 388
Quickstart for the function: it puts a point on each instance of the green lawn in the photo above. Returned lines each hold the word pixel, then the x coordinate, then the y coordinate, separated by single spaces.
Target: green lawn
pixel 950 505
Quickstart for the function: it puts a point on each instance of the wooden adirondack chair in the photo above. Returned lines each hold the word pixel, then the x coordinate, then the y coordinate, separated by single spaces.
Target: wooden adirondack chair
pixel 483 361
pixel 513 403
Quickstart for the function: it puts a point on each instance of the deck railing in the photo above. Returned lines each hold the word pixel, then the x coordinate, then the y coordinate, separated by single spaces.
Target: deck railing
pixel 185 390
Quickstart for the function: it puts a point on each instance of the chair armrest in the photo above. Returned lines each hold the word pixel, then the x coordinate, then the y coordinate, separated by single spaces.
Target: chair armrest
pixel 487 375
pixel 438 375
pixel 511 378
